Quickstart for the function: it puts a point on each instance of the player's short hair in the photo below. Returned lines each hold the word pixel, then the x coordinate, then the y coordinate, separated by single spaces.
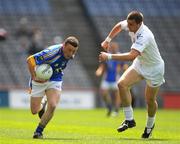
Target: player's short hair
pixel 72 41
pixel 135 15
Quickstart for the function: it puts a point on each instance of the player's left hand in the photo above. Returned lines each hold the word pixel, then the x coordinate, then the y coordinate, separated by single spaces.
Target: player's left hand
pixel 103 56
pixel 39 80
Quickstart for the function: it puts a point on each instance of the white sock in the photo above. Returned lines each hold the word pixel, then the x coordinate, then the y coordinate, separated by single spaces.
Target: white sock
pixel 150 122
pixel 128 111
pixel 43 101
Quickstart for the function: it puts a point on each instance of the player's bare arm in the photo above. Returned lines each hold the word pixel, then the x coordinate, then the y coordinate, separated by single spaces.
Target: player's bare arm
pixel 115 30
pixel 100 70
pixel 31 66
pixel 129 56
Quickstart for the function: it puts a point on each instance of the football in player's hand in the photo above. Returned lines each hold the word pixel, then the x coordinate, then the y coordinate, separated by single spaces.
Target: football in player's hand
pixel 43 71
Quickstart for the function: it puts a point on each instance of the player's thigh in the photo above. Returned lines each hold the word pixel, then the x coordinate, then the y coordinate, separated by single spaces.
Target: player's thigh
pixel 35 104
pixel 130 77
pixel 104 92
pixel 53 96
pixel 151 93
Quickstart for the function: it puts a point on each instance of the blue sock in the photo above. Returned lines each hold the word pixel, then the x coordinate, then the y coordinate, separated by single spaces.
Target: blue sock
pixel 40 128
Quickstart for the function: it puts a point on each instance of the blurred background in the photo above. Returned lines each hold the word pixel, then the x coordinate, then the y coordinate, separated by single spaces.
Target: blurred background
pixel 28 26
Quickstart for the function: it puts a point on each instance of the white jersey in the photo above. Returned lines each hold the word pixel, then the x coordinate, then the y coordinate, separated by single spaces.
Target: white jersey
pixel 144 42
pixel 149 63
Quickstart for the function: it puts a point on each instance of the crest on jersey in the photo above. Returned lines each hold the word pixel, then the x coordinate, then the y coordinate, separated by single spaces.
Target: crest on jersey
pixel 40 58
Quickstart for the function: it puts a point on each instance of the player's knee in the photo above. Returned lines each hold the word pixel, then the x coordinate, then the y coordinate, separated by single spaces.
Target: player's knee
pixel 122 84
pixel 52 106
pixel 34 111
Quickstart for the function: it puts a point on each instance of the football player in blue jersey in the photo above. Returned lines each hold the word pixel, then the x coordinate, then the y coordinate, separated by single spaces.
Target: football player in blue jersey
pixel 110 72
pixel 57 56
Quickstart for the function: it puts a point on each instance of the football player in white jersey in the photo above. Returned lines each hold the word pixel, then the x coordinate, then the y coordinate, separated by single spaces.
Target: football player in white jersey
pixel 147 65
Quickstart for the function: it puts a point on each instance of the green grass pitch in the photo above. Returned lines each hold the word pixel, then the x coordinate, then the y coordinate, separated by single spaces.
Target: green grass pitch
pixel 87 127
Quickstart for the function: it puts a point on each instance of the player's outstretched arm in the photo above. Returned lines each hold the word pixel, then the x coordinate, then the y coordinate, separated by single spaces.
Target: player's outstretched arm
pixel 115 30
pixel 129 56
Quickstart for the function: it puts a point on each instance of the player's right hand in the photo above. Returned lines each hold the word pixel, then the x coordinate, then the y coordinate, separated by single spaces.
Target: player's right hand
pixel 105 45
pixel 103 56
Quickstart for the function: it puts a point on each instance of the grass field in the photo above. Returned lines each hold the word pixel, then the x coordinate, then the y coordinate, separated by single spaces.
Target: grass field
pixel 87 127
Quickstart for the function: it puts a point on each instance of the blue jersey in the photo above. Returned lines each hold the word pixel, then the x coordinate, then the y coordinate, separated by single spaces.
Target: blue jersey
pixel 111 70
pixel 53 56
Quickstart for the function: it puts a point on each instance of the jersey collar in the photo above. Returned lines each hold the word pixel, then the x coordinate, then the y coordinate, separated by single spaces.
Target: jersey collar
pixel 140 29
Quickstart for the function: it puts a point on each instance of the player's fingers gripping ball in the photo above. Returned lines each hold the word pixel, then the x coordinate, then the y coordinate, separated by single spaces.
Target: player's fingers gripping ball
pixel 43 71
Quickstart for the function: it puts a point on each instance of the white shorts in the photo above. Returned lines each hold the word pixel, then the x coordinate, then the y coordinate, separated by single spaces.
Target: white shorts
pixel 38 89
pixel 109 85
pixel 154 75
